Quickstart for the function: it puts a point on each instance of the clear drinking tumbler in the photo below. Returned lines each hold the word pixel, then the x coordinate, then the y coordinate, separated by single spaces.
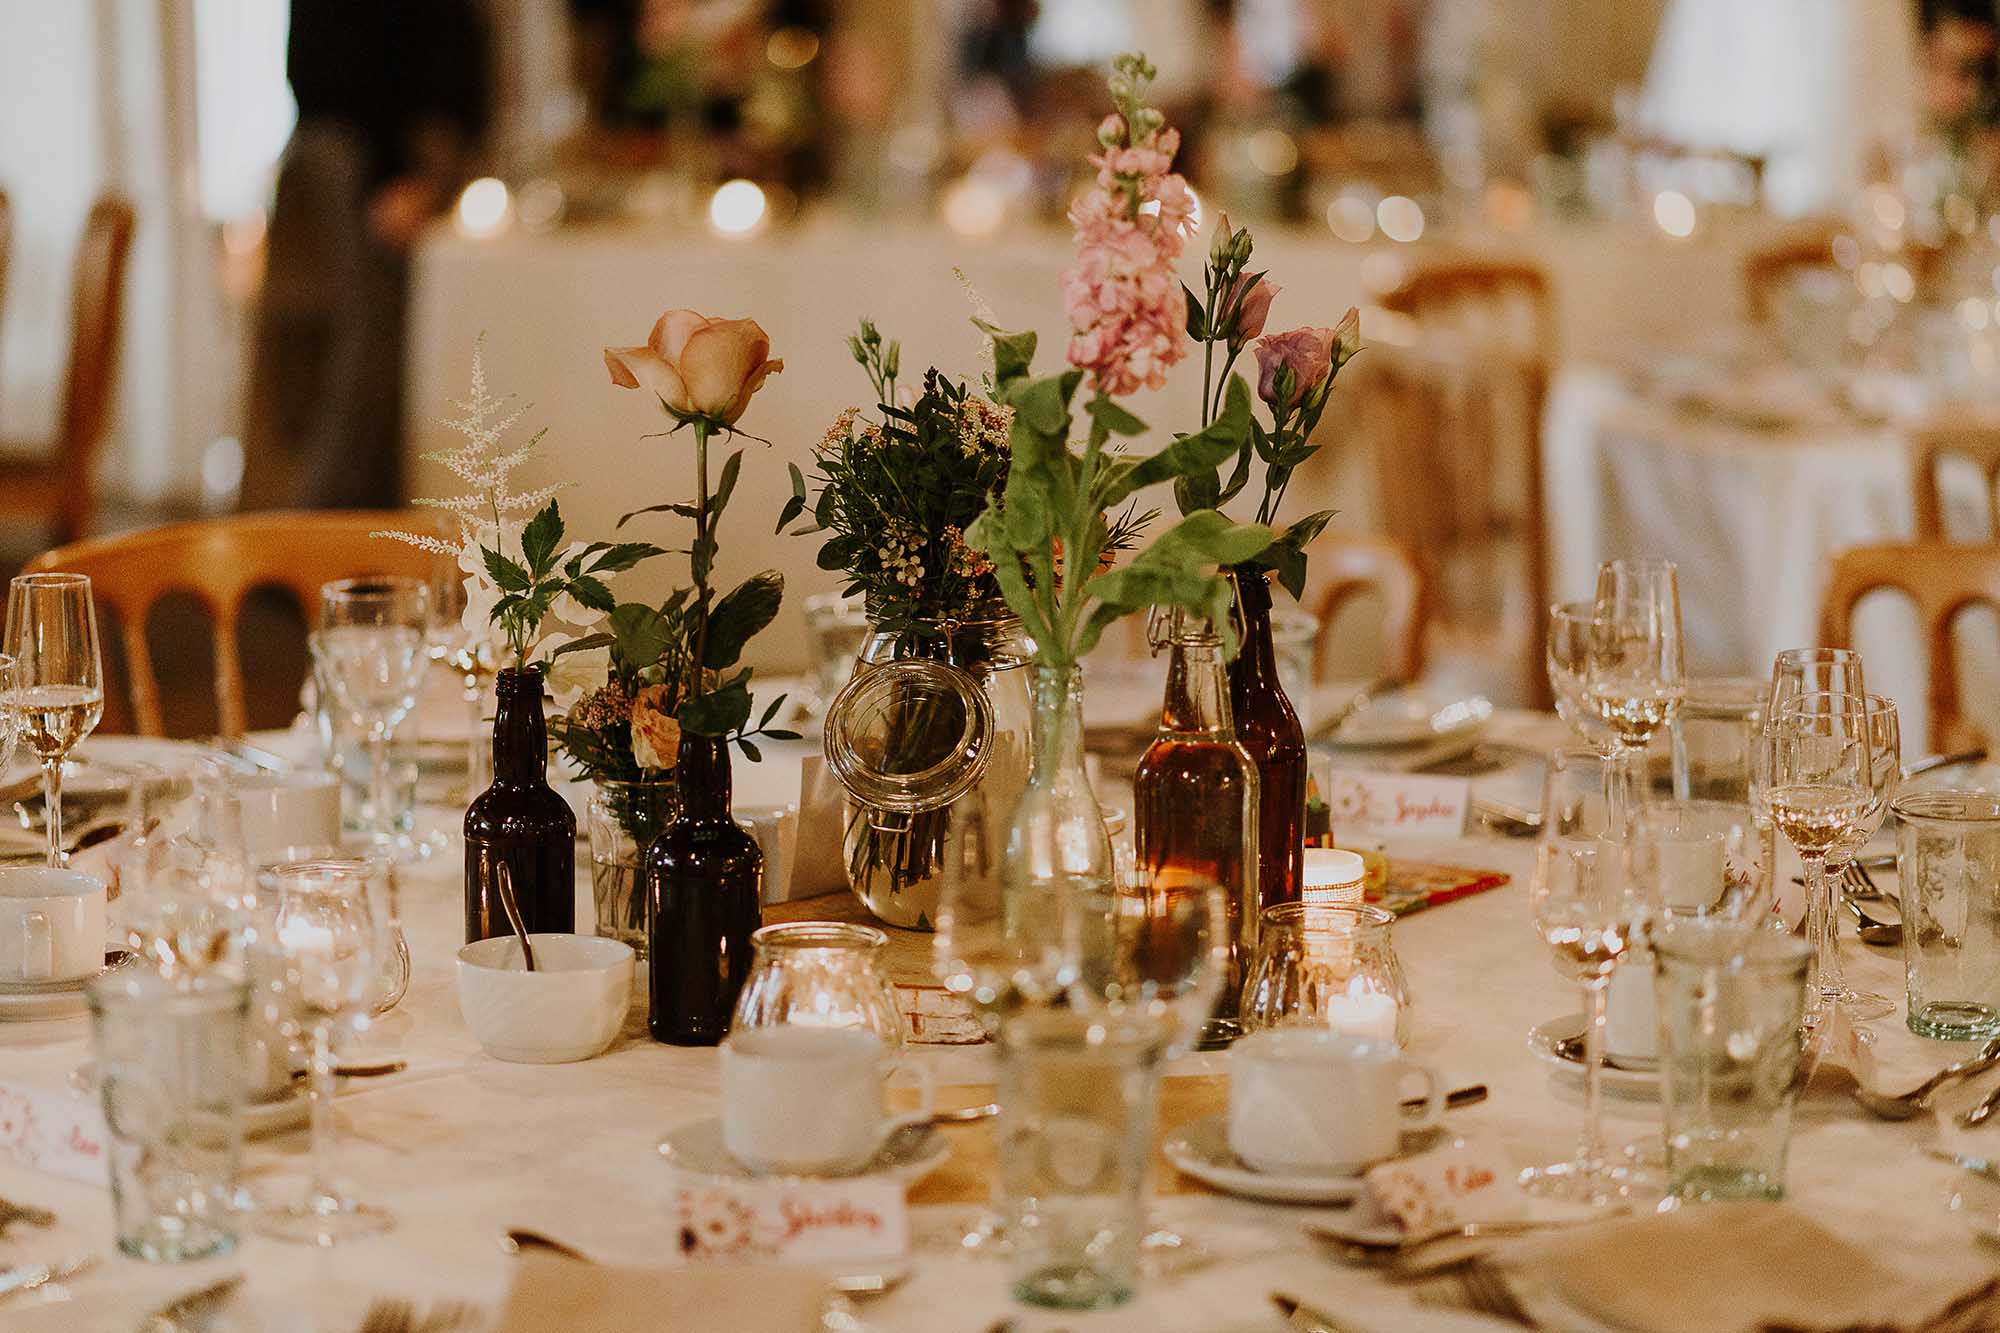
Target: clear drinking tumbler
pixel 1948 854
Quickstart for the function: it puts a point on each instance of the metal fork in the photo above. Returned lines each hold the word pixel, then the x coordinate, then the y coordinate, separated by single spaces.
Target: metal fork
pixel 1856 890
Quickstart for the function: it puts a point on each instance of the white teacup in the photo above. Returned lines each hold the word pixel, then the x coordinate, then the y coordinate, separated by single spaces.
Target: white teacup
pixel 51 924
pixel 1314 1100
pixel 799 1100
pixel 288 814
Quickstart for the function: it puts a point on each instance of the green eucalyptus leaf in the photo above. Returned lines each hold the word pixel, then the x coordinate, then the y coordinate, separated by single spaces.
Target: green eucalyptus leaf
pixel 719 711
pixel 584 644
pixel 616 559
pixel 726 485
pixel 540 539
pixel 797 504
pixel 641 635
pixel 742 612
pixel 1113 417
pixel 1197 318
pixel 1191 454
pixel 684 510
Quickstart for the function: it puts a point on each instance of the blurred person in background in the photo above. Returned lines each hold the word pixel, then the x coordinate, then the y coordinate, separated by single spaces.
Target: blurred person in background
pixel 393 102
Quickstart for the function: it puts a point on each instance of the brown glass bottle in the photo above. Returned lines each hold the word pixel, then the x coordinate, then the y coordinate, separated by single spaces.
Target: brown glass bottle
pixel 1269 730
pixel 703 878
pixel 1195 800
pixel 520 821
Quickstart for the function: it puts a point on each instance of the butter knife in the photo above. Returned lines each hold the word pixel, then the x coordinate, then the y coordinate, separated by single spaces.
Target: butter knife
pixel 1304 1318
pixel 27 1277
pixel 196 1305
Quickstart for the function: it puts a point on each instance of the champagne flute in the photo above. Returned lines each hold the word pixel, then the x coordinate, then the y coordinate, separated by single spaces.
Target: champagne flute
pixel 1820 788
pixel 1572 625
pixel 1588 908
pixel 1635 676
pixel 370 654
pixel 328 935
pixel 57 695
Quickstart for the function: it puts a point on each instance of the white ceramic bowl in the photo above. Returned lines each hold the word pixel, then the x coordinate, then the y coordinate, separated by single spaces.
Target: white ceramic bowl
pixel 570 1008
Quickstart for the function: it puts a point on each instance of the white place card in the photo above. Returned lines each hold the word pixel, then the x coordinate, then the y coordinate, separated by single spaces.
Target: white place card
pixel 849 1224
pixel 1403 803
pixel 53 1131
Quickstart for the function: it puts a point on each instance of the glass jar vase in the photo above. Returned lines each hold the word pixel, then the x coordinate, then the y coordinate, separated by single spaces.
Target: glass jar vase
pixel 624 817
pixel 931 739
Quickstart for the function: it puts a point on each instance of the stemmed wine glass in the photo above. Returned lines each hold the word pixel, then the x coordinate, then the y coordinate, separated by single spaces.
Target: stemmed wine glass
pixel 57 694
pixel 328 942
pixel 1820 787
pixel 1635 676
pixel 369 652
pixel 465 649
pixel 10 719
pixel 1572 626
pixel 1588 907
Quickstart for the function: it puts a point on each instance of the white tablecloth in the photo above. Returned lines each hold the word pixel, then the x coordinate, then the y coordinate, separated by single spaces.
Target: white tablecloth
pixel 548 304
pixel 462 1146
pixel 1753 515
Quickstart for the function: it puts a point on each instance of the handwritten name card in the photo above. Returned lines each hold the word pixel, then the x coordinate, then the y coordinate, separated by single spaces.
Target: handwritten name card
pixel 811 1223
pixel 53 1131
pixel 1403 803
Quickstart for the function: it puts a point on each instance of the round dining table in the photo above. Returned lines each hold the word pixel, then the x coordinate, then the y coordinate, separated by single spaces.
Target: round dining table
pixel 461 1146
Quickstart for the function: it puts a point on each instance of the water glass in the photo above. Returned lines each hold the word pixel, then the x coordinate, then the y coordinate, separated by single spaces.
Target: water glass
pixel 1712 740
pixel 1079 1097
pixel 1731 1001
pixel 170 1066
pixel 1948 854
pixel 368 658
pixel 1295 640
pixel 1329 966
pixel 836 625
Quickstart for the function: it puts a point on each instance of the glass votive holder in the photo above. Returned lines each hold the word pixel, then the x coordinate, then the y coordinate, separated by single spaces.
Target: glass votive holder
pixel 1731 1001
pixel 170 1074
pixel 1331 967
pixel 1948 857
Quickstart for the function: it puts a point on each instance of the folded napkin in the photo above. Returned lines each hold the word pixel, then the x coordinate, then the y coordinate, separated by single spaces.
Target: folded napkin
pixel 552 1292
pixel 1465 1181
pixel 1732 1268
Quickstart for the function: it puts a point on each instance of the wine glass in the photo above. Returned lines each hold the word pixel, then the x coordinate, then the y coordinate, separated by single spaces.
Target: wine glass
pixel 57 695
pixel 369 653
pixel 10 719
pixel 1635 676
pixel 1820 788
pixel 1798 671
pixel 1572 625
pixel 328 934
pixel 466 649
pixel 1885 776
pixel 1588 908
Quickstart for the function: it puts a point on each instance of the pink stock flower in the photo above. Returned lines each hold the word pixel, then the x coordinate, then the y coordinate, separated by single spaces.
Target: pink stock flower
pixel 1125 305
pixel 1308 353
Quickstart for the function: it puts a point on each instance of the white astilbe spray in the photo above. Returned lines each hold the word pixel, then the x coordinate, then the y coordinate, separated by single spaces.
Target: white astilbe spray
pixel 483 465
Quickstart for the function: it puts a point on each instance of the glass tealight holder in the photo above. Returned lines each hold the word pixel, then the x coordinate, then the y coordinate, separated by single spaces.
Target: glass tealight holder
pixel 819 974
pixel 1328 966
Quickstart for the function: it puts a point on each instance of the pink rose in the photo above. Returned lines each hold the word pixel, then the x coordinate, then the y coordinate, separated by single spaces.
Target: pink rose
pixel 656 733
pixel 697 366
pixel 1254 310
pixel 1308 353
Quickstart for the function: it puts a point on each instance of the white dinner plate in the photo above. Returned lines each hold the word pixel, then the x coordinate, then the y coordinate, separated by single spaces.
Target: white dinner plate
pixel 1201 1148
pixel 269 1116
pixel 1635 1083
pixel 695 1149
pixel 1411 717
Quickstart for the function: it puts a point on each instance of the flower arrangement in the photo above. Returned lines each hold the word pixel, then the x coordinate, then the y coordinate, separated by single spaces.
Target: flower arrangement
pixel 1047 532
pixel 896 494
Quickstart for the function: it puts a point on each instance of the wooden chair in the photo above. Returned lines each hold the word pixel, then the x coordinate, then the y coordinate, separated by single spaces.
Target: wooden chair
pixel 1456 429
pixel 1344 566
pixel 56 483
pixel 220 562
pixel 1942 579
pixel 1767 271
pixel 1976 441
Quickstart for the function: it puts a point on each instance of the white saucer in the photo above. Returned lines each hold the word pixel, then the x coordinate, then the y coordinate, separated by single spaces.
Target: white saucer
pixel 1201 1148
pixel 21 1006
pixel 1412 718
pixel 695 1149
pixel 1619 1082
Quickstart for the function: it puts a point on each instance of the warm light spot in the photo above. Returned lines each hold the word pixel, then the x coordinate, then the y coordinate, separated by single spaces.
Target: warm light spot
pixel 974 207
pixel 1273 152
pixel 1974 313
pixel 916 147
pixel 1846 251
pixel 792 48
pixel 737 208
pixel 1509 206
pixel 1351 218
pixel 541 204
pixel 1400 218
pixel 1382 271
pixel 484 208
pixel 1897 281
pixel 1674 212
pixel 1868 278
pixel 1887 206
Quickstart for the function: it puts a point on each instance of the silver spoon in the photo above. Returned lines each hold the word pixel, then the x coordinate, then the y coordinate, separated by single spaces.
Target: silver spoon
pixel 1902 1106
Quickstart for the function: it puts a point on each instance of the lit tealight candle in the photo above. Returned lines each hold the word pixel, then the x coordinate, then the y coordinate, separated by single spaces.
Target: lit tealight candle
pixel 1333 877
pixel 1362 1013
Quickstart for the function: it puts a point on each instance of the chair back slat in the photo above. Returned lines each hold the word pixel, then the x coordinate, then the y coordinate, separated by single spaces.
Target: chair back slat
pixel 97 313
pixel 1341 567
pixel 219 563
pixel 1975 441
